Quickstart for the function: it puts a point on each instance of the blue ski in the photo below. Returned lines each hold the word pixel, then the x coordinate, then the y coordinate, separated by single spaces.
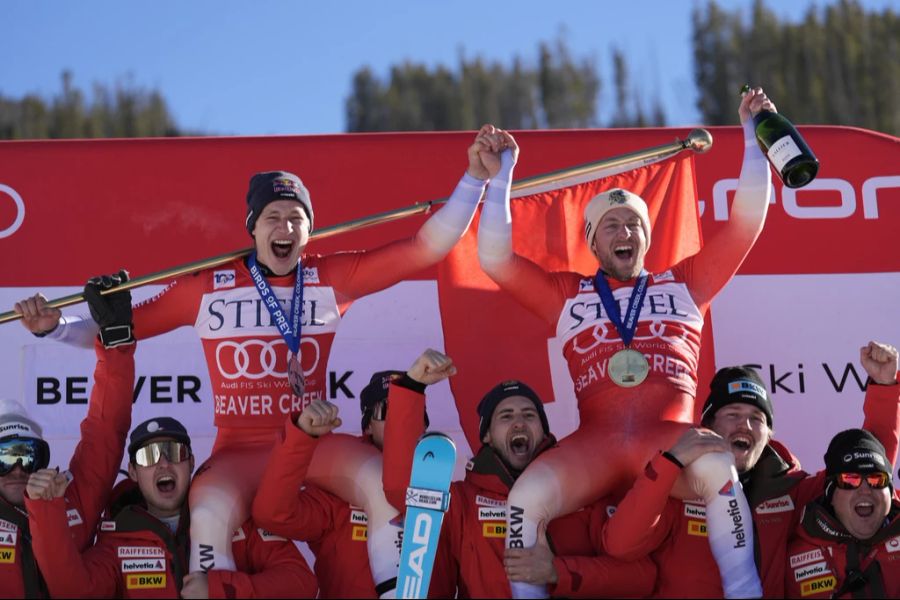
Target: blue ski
pixel 427 499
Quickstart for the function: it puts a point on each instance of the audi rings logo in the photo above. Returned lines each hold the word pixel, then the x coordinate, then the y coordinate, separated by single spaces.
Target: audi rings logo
pixel 5 190
pixel 604 334
pixel 257 359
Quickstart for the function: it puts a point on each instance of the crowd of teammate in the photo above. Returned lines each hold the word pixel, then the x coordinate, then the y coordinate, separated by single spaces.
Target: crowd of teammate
pixel 639 501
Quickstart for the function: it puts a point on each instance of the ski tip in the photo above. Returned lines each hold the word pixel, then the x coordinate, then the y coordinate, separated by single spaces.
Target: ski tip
pixel 437 434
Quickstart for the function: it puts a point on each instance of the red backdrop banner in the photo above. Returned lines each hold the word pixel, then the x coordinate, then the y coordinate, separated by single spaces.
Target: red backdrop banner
pixel 823 278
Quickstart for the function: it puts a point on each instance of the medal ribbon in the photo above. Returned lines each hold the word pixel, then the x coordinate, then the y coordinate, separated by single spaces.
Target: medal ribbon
pixel 289 329
pixel 627 328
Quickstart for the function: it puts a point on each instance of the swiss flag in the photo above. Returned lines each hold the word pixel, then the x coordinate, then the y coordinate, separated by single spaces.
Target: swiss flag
pixel 492 338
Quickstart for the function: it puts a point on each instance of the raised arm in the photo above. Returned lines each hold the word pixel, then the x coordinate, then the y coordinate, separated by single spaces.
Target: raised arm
pixel 98 455
pixel 405 421
pixel 44 321
pixel 723 254
pixel 882 404
pixel 280 505
pixel 174 307
pixel 532 286
pixel 67 571
pixel 356 274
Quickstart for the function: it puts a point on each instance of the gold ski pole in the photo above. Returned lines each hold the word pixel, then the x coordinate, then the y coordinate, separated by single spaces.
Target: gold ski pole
pixel 698 140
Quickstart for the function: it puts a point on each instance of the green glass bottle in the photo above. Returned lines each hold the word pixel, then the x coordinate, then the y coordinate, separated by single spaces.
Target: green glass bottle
pixel 785 148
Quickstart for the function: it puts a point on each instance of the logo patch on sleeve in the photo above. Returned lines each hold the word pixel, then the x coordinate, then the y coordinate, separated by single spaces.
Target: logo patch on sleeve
pixel 806 558
pixel 494 530
pixel 7 555
pixel 360 533
pixel 816 586
pixel 145 582
pixel 809 571
pixel 359 517
pixel 775 505
pixel 74 517
pixel 311 275
pixel 695 511
pixel 893 544
pixel 143 565
pixel 141 552
pixel 485 501
pixel 697 528
pixel 8 538
pixel 665 276
pixel 268 536
pixel 8 526
pixel 223 279
pixel 491 514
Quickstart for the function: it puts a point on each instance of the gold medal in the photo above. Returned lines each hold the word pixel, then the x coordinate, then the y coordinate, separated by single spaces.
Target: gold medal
pixel 628 368
pixel 295 375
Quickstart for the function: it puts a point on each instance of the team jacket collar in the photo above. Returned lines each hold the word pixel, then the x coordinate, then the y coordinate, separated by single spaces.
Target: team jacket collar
pixel 31 575
pixel 774 475
pixel 133 519
pixel 14 514
pixel 819 522
pixel 487 470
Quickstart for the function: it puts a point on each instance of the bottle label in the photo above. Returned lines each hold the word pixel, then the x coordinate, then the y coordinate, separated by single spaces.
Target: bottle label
pixel 783 151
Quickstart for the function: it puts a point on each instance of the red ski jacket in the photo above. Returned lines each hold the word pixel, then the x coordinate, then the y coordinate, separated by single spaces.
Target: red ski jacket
pixel 335 531
pixel 93 468
pixel 674 531
pixel 469 560
pixel 138 556
pixel 824 561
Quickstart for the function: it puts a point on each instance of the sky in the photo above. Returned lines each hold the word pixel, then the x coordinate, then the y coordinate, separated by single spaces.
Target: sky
pixel 285 67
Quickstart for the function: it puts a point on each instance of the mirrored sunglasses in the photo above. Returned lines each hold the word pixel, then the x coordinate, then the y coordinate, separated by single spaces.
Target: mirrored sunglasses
pixel 149 455
pixel 29 453
pixel 851 481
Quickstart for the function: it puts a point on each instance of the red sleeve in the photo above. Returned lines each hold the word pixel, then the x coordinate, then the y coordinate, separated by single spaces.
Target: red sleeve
pixel 276 569
pixel 356 274
pixel 805 492
pixel 98 455
pixel 175 306
pixel 538 290
pixel 882 416
pixel 720 258
pixel 404 425
pixel 602 576
pixel 643 519
pixel 280 506
pixel 67 572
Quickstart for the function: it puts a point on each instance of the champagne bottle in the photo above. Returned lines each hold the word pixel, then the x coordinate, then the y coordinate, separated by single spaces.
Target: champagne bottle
pixel 785 148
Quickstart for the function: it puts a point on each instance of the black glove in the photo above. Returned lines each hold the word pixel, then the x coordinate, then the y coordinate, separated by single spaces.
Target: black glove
pixel 112 312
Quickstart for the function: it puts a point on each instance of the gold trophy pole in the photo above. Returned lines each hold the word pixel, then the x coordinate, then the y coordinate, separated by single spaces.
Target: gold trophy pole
pixel 698 140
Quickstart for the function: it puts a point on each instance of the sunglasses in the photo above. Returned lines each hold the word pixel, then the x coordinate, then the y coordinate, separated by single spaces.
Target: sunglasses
pixel 851 481
pixel 29 453
pixel 149 455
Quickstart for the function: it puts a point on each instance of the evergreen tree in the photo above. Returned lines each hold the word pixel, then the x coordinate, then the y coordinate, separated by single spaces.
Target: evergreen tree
pixel 559 91
pixel 840 65
pixel 125 111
